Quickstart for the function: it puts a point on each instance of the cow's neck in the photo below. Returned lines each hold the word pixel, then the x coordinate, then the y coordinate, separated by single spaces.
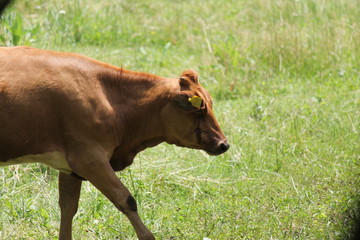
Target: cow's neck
pixel 138 99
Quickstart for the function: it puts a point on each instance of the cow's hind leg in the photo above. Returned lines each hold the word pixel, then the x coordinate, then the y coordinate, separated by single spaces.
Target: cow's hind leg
pixel 69 193
pixel 100 173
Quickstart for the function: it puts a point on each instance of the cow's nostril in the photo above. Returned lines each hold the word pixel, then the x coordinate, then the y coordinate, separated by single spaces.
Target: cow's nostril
pixel 224 146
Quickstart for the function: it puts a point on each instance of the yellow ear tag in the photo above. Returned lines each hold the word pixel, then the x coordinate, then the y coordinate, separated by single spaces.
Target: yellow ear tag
pixel 196 101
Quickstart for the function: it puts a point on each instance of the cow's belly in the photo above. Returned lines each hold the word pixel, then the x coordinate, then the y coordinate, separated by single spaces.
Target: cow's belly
pixel 55 160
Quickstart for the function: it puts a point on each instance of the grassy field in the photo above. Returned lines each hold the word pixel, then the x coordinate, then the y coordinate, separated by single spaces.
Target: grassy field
pixel 285 78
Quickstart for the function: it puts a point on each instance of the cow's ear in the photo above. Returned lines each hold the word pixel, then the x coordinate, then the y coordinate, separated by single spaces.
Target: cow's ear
pixel 189 104
pixel 182 100
pixel 187 77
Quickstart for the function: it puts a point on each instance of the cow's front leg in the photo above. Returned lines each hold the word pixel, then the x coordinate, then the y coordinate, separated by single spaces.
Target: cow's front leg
pixel 69 193
pixel 100 173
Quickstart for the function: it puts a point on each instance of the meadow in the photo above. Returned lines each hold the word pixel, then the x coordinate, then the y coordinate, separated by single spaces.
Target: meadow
pixel 285 80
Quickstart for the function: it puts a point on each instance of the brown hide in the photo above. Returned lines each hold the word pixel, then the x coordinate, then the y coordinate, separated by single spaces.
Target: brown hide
pixel 86 117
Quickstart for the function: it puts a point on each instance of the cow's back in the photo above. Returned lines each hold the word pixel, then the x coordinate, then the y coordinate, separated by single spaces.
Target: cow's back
pixel 40 93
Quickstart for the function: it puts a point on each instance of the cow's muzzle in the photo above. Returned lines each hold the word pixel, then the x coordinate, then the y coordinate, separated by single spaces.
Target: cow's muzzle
pixel 222 147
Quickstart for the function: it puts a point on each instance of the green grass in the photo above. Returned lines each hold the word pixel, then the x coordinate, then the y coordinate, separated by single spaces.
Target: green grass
pixel 285 78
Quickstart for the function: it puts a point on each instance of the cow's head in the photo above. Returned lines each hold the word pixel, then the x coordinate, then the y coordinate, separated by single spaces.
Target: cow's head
pixel 190 121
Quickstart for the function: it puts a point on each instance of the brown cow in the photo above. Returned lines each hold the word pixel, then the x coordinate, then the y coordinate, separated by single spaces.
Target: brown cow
pixel 89 119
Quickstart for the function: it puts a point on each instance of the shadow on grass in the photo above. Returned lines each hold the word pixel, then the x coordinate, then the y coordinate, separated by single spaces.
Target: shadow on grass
pixel 3 4
pixel 355 230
